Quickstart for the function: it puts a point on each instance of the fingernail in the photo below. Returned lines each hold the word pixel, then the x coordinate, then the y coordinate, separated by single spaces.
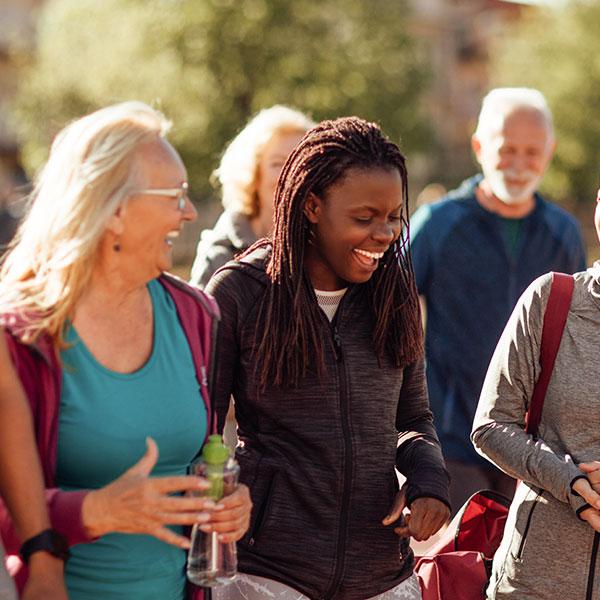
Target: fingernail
pixel 209 505
pixel 186 545
pixel 206 528
pixel 219 507
pixel 202 518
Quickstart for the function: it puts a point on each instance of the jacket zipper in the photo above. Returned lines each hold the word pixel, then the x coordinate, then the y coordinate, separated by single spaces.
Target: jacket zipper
pixel 522 544
pixel 260 516
pixel 348 460
pixel 592 571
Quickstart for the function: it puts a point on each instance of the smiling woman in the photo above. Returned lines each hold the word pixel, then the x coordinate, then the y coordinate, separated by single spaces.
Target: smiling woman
pixel 354 224
pixel 113 353
pixel 321 346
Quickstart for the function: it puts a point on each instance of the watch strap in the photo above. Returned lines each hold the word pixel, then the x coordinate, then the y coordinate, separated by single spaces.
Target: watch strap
pixel 47 541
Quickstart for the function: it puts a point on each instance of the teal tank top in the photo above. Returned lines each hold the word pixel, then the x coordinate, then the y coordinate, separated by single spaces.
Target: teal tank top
pixel 104 420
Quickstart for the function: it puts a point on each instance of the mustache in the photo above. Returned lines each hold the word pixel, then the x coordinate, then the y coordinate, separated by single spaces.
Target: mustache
pixel 520 175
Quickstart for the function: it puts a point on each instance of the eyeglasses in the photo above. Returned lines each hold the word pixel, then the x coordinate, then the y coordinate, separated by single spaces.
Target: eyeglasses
pixel 180 194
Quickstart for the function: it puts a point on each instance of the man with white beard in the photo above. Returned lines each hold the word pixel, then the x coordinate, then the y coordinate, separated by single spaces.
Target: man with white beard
pixel 474 253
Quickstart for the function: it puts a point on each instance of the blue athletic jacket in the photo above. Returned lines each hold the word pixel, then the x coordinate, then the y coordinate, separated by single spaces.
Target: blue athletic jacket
pixel 471 283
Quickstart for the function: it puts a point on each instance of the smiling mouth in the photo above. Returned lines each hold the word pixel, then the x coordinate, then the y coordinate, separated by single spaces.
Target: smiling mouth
pixel 369 259
pixel 171 237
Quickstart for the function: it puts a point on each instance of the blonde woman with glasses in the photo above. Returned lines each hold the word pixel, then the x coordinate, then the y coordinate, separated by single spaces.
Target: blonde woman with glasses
pixel 113 355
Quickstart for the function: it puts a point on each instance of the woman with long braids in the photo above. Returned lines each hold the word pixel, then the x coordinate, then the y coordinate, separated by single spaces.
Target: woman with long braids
pixel 321 347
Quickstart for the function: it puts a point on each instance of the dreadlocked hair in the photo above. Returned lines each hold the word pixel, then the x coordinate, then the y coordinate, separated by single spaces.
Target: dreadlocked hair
pixel 290 334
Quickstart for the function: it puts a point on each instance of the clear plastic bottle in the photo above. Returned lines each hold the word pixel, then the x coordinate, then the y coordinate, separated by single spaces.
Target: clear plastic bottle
pixel 211 562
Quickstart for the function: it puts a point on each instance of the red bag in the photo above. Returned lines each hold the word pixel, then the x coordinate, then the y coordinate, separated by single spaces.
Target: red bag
pixel 459 565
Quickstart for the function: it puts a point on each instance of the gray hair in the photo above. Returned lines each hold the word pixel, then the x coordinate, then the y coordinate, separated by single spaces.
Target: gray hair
pixel 500 102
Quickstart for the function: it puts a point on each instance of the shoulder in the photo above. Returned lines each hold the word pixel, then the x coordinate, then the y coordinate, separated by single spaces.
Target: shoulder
pixel 231 235
pixel 442 215
pixel 15 331
pixel 538 291
pixel 586 292
pixel 186 296
pixel 241 281
pixel 557 218
pixel 534 300
pixel 232 232
pixel 220 241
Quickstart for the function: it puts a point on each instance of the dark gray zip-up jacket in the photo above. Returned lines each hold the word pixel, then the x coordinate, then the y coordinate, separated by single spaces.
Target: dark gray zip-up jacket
pixel 319 459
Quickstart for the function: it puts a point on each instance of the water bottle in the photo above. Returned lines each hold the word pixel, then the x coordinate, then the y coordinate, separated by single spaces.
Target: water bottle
pixel 211 562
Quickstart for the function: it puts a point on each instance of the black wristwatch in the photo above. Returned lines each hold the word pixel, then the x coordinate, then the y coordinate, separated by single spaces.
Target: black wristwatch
pixel 47 541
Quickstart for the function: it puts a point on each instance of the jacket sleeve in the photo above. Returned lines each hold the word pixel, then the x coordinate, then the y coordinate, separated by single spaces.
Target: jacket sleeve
pixel 64 508
pixel 499 425
pixel 419 455
pixel 222 287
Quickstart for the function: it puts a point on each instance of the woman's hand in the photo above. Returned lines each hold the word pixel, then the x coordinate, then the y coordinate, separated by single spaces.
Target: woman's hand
pixel 588 489
pixel 426 517
pixel 592 471
pixel 46 578
pixel 136 503
pixel 231 516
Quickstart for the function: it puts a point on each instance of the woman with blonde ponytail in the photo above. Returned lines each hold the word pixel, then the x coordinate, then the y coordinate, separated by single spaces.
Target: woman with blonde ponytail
pixel 113 355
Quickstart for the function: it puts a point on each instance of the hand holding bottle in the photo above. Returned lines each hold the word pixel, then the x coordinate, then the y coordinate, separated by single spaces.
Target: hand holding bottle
pixel 212 559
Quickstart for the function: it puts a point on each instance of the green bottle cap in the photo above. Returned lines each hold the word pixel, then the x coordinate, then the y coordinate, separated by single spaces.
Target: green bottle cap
pixel 215 452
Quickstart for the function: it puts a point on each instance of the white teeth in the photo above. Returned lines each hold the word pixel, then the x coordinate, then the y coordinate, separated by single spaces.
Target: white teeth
pixel 376 255
pixel 172 235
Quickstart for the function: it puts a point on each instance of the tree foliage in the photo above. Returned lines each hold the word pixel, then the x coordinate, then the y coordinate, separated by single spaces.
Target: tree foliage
pixel 558 52
pixel 210 64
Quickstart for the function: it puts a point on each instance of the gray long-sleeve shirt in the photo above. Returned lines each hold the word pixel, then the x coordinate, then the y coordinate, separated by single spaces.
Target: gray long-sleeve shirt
pixel 547 550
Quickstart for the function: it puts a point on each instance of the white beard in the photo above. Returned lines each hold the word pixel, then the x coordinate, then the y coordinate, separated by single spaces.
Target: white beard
pixel 512 194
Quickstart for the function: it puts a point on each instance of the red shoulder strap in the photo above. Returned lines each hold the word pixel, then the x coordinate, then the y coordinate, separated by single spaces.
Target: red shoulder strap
pixel 555 318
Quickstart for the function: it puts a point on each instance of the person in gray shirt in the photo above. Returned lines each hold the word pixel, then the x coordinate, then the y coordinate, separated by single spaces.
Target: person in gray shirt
pixel 550 544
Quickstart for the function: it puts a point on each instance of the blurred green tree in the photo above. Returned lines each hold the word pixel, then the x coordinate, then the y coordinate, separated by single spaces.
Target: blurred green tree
pixel 210 64
pixel 558 52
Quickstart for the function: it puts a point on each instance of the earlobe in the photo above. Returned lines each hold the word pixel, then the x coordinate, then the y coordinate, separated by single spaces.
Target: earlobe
pixel 312 208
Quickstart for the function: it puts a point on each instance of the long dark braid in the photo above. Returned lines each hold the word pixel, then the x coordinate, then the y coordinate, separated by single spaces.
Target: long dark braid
pixel 291 330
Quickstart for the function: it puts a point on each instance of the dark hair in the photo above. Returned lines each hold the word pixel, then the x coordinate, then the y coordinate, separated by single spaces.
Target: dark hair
pixel 290 330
